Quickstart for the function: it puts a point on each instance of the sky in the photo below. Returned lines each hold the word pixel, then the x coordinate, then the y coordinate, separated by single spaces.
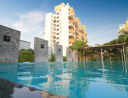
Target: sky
pixel 101 17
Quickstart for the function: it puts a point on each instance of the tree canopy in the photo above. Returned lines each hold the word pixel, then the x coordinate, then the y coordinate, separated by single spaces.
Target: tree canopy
pixel 79 45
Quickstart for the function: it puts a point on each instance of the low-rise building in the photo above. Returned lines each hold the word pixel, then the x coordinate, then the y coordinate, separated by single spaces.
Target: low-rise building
pixel 24 45
pixel 122 28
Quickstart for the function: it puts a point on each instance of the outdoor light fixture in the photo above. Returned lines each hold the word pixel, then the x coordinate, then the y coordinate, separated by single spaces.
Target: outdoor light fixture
pixel 6 38
pixel 42 46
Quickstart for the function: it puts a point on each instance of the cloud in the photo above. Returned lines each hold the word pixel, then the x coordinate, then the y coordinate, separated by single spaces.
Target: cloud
pixel 31 25
pixel 102 34
pixel 30 21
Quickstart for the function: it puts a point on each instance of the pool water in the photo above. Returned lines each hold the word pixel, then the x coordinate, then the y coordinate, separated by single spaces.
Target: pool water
pixel 71 79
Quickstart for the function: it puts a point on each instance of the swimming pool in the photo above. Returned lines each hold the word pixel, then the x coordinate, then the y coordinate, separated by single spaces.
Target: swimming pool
pixel 71 79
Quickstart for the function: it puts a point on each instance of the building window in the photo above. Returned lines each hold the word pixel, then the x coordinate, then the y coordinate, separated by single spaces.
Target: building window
pixel 42 46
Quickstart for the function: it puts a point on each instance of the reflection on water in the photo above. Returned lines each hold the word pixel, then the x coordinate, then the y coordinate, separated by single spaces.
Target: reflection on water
pixel 72 79
pixel 10 89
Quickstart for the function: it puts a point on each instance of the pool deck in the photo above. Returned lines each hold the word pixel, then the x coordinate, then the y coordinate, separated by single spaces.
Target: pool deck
pixel 10 89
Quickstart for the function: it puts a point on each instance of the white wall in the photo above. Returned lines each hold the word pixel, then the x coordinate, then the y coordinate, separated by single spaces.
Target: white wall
pixel 48 28
pixel 122 26
pixel 64 28
pixel 24 44
pixel 49 52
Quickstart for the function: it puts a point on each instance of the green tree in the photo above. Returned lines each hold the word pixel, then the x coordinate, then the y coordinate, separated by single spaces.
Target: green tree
pixel 21 50
pixel 27 56
pixel 31 50
pixel 126 39
pixel 64 58
pixel 79 46
pixel 52 58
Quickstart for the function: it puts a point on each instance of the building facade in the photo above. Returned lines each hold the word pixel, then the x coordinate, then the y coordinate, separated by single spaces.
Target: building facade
pixel 126 25
pixel 123 27
pixel 63 27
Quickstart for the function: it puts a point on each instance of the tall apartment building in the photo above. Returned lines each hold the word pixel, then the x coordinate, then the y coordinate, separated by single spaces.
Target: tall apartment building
pixel 63 27
pixel 123 27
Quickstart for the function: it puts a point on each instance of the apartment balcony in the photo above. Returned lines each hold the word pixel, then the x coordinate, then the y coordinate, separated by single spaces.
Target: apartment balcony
pixel 70 16
pixel 57 31
pixel 54 31
pixel 57 23
pixel 82 38
pixel 57 35
pixel 54 18
pixel 76 32
pixel 54 27
pixel 57 27
pixel 57 40
pixel 82 30
pixel 54 41
pixel 57 15
pixel 54 35
pixel 77 36
pixel 80 26
pixel 70 24
pixel 57 19
pixel 71 34
pixel 69 44
pixel 76 24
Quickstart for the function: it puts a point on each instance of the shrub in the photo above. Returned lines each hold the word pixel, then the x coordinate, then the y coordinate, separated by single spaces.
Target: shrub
pixel 31 50
pixel 27 56
pixel 52 58
pixel 64 58
pixel 21 50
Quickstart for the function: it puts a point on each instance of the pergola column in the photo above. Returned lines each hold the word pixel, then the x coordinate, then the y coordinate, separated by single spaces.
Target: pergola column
pixel 121 55
pixel 124 55
pixel 86 55
pixel 101 55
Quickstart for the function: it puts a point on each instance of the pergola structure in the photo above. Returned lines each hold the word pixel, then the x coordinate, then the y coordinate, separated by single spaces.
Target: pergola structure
pixel 121 46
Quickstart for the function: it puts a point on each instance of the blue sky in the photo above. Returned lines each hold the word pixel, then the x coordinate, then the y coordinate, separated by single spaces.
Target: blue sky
pixel 101 17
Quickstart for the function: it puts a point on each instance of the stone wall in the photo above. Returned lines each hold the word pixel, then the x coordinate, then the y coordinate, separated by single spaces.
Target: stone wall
pixel 75 55
pixel 40 50
pixel 8 50
pixel 58 51
pixel 69 56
